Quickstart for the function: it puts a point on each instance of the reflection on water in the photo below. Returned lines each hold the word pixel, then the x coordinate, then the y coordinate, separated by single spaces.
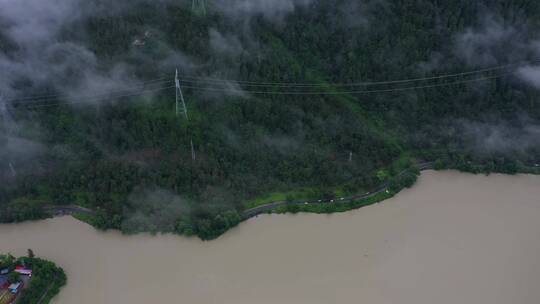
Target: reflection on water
pixel 453 238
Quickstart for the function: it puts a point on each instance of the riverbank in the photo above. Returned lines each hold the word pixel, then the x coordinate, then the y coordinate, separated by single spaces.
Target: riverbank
pixel 328 204
pixel 388 188
pixel 404 179
pixel 451 238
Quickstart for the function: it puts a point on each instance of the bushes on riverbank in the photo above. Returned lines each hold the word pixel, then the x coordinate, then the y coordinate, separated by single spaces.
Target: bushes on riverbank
pixel 468 163
pixel 21 210
pixel 205 226
pixel 395 184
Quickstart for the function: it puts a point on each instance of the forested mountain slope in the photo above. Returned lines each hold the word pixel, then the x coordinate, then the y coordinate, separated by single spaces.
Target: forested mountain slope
pixel 306 97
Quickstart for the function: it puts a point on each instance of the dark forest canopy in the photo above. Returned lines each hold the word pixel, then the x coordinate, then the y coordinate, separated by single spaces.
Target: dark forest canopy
pixel 283 96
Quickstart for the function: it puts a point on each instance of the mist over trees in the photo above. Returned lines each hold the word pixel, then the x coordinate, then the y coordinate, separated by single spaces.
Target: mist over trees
pixel 72 130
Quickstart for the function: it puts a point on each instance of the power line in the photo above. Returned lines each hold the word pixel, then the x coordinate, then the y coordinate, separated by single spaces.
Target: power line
pixel 41 101
pixel 346 92
pixel 103 95
pixel 280 92
pixel 152 81
pixel 65 96
pixel 372 83
pixel 56 96
pixel 98 99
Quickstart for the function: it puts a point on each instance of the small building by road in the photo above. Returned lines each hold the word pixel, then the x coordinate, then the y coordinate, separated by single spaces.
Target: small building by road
pixel 23 271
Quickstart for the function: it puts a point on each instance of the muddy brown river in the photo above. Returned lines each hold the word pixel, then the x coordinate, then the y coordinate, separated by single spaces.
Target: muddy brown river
pixel 453 238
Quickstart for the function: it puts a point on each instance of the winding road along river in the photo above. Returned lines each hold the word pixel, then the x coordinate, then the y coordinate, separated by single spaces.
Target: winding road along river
pixel 453 238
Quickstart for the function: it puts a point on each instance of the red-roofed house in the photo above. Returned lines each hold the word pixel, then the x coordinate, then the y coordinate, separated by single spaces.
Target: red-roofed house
pixel 23 271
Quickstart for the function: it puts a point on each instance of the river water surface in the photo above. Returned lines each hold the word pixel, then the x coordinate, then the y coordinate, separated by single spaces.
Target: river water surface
pixel 453 238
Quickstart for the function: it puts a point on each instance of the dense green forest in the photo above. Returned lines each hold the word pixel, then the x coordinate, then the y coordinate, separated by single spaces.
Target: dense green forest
pixel 302 98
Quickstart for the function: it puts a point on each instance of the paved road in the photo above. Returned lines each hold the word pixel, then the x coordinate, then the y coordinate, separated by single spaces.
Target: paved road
pixel 73 209
pixel 67 210
pixel 274 205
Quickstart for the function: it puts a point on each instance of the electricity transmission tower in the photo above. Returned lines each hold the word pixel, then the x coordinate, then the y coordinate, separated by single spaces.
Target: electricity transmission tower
pixel 182 109
pixel 180 97
pixel 13 172
pixel 198 7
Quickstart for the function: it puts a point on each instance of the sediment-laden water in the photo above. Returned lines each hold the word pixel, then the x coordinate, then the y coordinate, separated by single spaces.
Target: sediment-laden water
pixel 453 238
